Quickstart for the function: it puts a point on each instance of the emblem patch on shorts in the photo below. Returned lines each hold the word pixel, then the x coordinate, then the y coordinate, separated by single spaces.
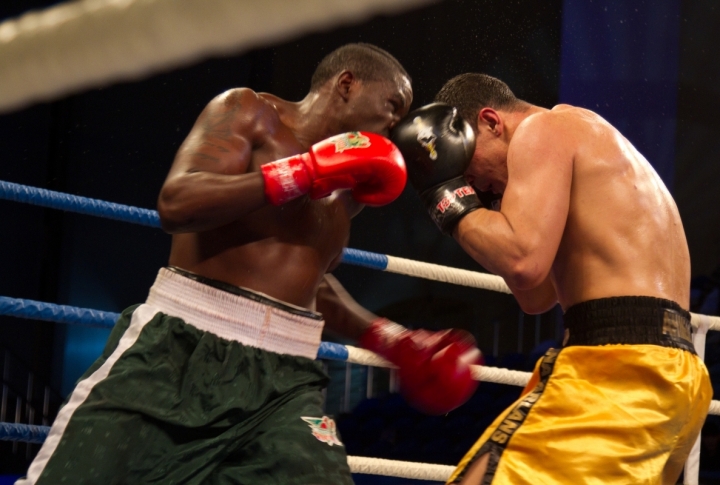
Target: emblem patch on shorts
pixel 324 430
pixel 346 141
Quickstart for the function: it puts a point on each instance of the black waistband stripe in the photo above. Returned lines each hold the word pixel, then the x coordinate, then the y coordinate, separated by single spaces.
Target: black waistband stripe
pixel 631 320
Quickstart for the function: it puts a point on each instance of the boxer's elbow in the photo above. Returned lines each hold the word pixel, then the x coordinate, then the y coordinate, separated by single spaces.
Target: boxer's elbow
pixel 526 274
pixel 171 219
pixel 175 216
pixel 528 266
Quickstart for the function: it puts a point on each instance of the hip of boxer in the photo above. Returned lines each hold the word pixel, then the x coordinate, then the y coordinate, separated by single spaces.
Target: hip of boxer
pixel 237 314
pixel 629 320
pixel 622 402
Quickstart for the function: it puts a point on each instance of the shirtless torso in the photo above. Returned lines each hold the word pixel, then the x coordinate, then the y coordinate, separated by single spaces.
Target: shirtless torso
pixel 268 248
pixel 214 204
pixel 623 235
pixel 584 215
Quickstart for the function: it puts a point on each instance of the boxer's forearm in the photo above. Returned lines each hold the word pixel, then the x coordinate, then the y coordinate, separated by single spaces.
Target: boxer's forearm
pixel 491 240
pixel 201 201
pixel 343 315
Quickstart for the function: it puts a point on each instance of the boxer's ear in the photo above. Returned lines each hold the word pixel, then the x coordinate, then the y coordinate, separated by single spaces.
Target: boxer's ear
pixel 345 83
pixel 490 119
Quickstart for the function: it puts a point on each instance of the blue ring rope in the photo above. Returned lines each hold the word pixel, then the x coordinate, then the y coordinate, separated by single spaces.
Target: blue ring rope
pixel 75 203
pixel 94 318
pixel 38 310
pixel 365 259
pixel 136 215
pixel 28 433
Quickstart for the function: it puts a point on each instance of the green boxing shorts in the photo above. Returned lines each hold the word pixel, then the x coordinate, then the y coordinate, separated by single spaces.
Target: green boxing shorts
pixel 199 385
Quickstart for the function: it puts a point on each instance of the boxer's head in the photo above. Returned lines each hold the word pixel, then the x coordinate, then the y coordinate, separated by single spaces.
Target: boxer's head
pixel 366 88
pixel 484 101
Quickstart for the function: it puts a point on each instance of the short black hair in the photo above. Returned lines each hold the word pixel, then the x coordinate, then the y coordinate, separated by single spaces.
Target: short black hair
pixel 471 92
pixel 366 61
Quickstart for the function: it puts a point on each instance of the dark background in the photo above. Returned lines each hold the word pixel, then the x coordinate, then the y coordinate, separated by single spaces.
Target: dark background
pixel 649 67
pixel 118 142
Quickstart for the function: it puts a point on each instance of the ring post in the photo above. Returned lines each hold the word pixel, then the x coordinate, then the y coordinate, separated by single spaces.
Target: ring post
pixel 692 465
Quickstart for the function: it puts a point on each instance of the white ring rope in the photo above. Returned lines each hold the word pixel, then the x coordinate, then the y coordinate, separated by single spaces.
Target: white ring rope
pixel 479 372
pixel 500 375
pixel 402 469
pixel 357 355
pixel 447 274
pixel 713 323
pixel 89 43
pixel 485 281
pixel 714 408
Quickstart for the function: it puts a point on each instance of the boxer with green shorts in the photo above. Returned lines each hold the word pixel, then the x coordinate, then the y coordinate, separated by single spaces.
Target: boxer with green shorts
pixel 212 380
pixel 176 402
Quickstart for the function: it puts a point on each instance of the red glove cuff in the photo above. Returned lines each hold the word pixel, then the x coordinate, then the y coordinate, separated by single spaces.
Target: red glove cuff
pixel 286 179
pixel 380 336
pixel 434 367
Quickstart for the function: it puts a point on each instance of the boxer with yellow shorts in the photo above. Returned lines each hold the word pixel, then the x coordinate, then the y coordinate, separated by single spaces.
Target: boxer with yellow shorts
pixel 581 219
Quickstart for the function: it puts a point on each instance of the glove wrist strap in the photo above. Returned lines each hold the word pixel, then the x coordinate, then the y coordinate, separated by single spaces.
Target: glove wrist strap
pixel 286 179
pixel 449 202
pixel 380 336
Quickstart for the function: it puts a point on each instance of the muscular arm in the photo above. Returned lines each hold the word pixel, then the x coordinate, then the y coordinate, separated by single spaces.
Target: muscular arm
pixel 208 185
pixel 343 315
pixel 521 241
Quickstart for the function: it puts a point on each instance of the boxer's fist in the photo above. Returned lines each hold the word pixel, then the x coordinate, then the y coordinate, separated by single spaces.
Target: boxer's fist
pixel 368 164
pixel 434 367
pixel 437 145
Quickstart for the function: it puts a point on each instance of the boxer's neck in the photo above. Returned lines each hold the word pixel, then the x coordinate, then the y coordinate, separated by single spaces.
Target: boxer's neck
pixel 512 119
pixel 311 120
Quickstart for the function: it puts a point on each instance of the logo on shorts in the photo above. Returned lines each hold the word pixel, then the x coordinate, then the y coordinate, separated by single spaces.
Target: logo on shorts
pixel 516 417
pixel 346 141
pixel 427 139
pixel 323 429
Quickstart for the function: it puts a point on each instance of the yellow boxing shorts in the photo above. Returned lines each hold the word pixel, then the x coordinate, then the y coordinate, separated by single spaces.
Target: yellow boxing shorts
pixel 622 403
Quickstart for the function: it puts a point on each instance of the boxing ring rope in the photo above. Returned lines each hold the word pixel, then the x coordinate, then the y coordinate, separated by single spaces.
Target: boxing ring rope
pixel 37 310
pixel 358 464
pixel 328 350
pixel 90 43
pixel 82 316
pixel 110 210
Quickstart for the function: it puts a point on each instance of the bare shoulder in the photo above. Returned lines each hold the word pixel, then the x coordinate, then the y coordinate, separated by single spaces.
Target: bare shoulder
pixel 561 117
pixel 241 110
pixel 547 130
pixel 237 98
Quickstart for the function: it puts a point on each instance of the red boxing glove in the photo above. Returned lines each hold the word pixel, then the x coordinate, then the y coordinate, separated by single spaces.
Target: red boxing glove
pixel 434 367
pixel 367 163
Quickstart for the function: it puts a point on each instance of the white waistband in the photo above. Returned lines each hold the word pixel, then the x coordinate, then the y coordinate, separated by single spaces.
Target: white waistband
pixel 235 317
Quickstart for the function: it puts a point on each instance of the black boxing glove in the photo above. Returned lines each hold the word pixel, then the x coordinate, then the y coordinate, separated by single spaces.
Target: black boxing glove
pixel 437 145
